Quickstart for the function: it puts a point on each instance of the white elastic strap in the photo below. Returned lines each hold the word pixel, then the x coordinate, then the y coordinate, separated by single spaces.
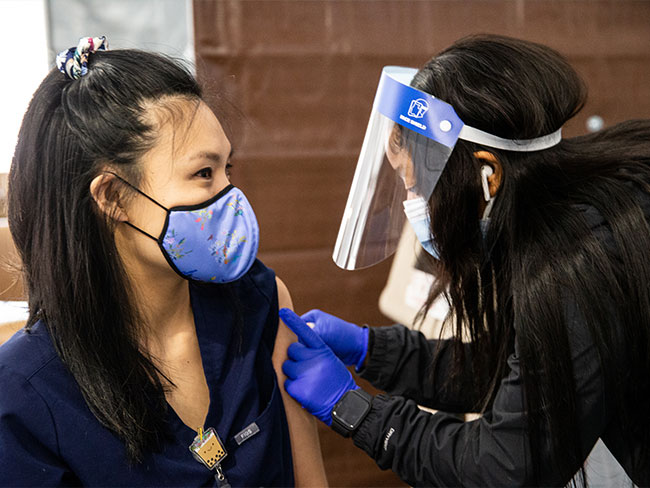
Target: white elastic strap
pixel 471 134
pixel 488 208
pixel 416 208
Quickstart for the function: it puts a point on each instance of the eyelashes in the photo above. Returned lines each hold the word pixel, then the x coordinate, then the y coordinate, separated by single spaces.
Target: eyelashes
pixel 204 173
pixel 207 172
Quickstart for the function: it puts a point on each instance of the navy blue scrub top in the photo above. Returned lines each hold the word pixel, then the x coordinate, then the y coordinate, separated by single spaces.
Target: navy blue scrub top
pixel 48 436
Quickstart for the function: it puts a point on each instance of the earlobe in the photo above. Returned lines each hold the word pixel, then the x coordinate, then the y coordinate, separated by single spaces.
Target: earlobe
pixel 104 192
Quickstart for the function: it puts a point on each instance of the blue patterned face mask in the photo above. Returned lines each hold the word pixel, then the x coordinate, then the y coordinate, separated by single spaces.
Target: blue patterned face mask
pixel 214 241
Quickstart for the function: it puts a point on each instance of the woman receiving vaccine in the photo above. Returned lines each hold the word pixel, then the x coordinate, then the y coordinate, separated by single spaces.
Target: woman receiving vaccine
pixel 153 344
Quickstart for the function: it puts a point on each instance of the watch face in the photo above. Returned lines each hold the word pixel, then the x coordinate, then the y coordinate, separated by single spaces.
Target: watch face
pixel 352 409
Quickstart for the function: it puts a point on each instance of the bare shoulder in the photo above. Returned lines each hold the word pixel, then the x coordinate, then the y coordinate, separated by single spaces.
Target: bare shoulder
pixel 284 297
pixel 284 335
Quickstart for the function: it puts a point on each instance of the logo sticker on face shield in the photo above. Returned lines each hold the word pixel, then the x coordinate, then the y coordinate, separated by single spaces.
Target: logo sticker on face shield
pixel 417 111
pixel 418 108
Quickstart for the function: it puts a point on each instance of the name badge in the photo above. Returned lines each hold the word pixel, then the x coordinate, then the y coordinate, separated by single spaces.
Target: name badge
pixel 247 433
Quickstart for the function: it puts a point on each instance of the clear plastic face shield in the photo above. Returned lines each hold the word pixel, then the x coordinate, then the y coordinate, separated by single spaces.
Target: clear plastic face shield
pixel 409 139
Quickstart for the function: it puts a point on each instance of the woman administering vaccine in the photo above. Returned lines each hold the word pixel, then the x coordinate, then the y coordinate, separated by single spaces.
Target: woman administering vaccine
pixel 153 343
pixel 542 247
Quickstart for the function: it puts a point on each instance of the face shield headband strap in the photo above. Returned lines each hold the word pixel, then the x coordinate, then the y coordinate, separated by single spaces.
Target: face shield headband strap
pixel 471 134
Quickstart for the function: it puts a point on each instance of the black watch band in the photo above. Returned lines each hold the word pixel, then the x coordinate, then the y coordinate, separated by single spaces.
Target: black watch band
pixel 350 410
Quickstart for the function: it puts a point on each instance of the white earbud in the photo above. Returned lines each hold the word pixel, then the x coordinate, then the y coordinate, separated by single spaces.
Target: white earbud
pixel 485 172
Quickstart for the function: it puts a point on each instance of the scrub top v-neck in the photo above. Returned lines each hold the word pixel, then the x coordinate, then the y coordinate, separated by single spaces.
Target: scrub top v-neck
pixel 49 436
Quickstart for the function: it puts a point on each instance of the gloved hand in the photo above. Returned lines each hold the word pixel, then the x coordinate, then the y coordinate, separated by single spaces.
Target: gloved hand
pixel 316 378
pixel 348 341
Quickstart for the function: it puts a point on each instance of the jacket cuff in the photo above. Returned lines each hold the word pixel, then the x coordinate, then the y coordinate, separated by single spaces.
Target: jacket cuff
pixel 365 437
pixel 380 341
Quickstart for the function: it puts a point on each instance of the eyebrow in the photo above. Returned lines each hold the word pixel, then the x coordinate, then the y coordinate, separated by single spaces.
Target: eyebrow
pixel 216 157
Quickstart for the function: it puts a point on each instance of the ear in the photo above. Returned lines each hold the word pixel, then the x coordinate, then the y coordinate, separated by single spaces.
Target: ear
pixel 494 180
pixel 104 190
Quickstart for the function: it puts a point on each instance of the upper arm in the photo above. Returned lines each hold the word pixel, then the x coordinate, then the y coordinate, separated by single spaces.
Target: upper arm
pixel 284 336
pixel 305 447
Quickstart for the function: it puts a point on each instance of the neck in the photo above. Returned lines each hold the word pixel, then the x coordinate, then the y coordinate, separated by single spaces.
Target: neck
pixel 161 296
pixel 163 300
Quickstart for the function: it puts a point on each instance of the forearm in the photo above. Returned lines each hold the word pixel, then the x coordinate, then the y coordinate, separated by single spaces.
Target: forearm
pixel 404 362
pixel 441 450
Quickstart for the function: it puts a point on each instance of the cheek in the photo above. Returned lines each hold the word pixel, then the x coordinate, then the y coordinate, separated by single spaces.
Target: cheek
pixel 148 217
pixel 146 251
pixel 403 165
pixel 409 177
pixel 220 182
pixel 138 250
pixel 196 191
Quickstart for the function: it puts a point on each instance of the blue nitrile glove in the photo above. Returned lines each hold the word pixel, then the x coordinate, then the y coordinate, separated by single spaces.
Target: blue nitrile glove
pixel 316 378
pixel 348 341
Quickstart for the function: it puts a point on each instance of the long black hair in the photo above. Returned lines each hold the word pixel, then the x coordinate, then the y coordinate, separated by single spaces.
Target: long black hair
pixel 75 280
pixel 541 260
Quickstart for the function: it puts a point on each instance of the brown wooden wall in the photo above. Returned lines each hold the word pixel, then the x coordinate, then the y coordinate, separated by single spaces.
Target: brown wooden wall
pixel 304 73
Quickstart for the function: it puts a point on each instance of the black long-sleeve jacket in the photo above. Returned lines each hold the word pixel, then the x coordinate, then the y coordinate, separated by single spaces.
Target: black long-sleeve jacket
pixel 442 450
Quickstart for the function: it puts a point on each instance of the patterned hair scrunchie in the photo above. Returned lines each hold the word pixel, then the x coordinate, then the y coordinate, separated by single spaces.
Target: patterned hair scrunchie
pixel 73 62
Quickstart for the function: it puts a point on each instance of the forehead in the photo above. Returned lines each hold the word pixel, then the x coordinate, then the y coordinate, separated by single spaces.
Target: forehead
pixel 184 127
pixel 203 128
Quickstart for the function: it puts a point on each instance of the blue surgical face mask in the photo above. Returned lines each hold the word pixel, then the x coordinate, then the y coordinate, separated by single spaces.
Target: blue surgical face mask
pixel 215 241
pixel 417 212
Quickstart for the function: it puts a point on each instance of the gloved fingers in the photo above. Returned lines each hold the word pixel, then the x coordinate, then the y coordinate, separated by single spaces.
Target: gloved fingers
pixel 321 323
pixel 305 334
pixel 296 391
pixel 290 369
pixel 313 316
pixel 311 320
pixel 326 321
pixel 289 387
pixel 299 352
pixel 298 369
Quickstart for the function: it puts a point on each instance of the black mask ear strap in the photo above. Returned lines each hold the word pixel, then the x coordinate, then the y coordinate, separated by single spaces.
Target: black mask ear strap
pixel 144 195
pixel 138 190
pixel 140 230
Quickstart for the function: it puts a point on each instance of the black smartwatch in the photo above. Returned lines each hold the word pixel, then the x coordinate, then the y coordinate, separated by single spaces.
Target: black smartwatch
pixel 350 411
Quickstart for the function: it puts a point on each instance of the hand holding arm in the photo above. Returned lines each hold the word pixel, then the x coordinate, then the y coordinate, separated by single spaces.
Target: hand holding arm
pixel 348 341
pixel 316 378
